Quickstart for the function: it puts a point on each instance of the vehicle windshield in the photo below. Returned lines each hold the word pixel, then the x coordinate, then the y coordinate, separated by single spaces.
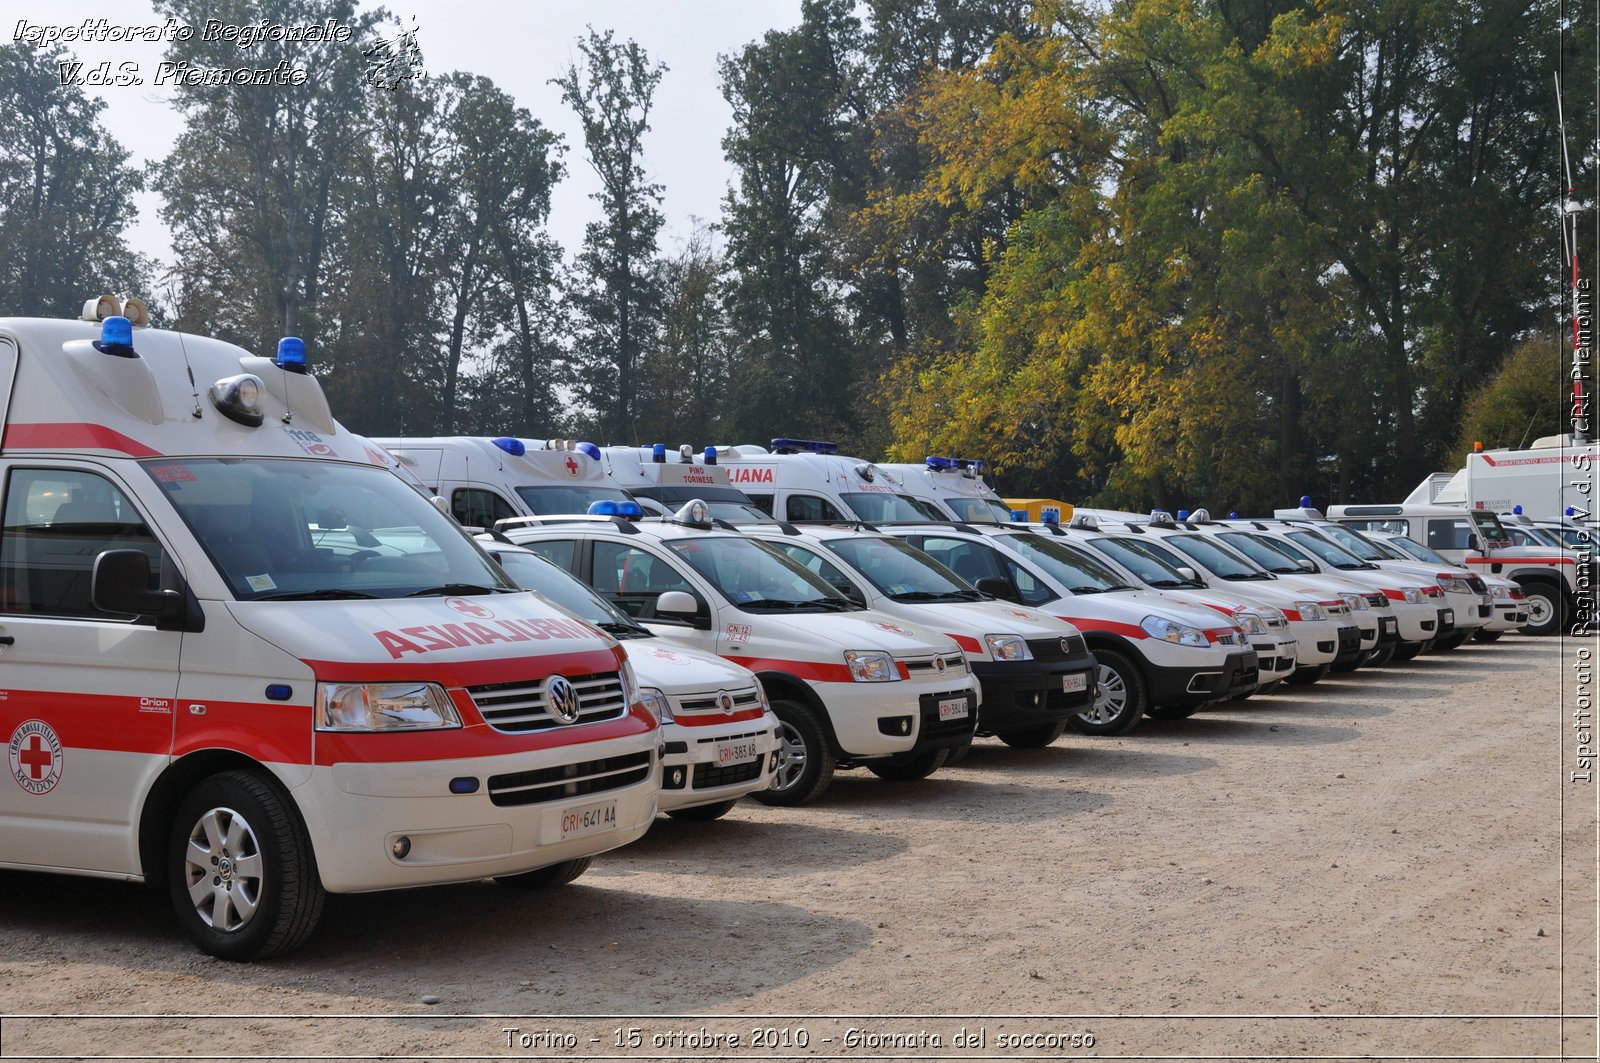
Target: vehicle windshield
pixel 1521 536
pixel 1334 555
pixel 1219 560
pixel 872 505
pixel 759 578
pixel 1358 544
pixel 901 571
pixel 1577 538
pixel 724 503
pixel 537 573
pixel 1417 550
pixel 1069 566
pixel 568 499
pixel 979 510
pixel 1141 560
pixel 284 528
pixel 1266 554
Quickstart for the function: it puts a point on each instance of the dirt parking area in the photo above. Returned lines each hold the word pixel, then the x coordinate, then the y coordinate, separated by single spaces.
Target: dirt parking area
pixel 1393 863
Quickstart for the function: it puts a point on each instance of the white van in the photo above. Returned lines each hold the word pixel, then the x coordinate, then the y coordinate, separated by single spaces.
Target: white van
pixel 849 686
pixel 719 737
pixel 244 661
pixel 954 486
pixel 485 480
pixel 808 480
pixel 663 482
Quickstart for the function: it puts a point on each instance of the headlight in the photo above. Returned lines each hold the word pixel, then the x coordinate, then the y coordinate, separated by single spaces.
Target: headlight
pixel 1008 647
pixel 1412 595
pixel 1311 611
pixel 1354 601
pixel 1172 631
pixel 1455 585
pixel 1250 622
pixel 384 707
pixel 761 692
pixel 1433 592
pixel 871 666
pixel 630 683
pixel 656 701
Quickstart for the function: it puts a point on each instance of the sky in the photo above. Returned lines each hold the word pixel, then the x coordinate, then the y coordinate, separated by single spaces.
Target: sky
pixel 520 46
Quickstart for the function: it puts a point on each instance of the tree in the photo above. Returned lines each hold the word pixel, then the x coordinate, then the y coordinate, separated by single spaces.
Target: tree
pixel 620 293
pixel 684 384
pixel 66 193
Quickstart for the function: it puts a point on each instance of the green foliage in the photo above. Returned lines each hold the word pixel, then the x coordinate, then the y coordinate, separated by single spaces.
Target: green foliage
pixel 1526 399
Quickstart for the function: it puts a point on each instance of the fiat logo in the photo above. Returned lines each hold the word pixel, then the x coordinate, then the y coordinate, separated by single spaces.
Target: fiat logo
pixel 938 664
pixel 1066 647
pixel 562 697
pixel 725 701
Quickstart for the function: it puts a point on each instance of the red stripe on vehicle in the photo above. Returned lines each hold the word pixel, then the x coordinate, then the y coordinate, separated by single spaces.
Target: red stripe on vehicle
pixel 1084 623
pixel 72 437
pixel 807 670
pixel 968 645
pixel 531 667
pixel 1519 561
pixel 1214 633
pixel 708 719
pixel 476 740
pixel 1291 614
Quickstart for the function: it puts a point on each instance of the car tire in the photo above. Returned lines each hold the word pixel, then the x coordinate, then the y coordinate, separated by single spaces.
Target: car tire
pixel 956 754
pixel 703 813
pixel 805 760
pixel 1545 608
pixel 1121 697
pixel 1487 636
pixel 1304 677
pixel 909 767
pixel 1405 651
pixel 1451 641
pixel 547 878
pixel 1033 737
pixel 238 856
pixel 1379 656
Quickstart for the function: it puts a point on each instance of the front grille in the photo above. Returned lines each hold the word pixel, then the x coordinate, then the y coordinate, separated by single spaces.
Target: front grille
pixel 569 780
pixel 742 700
pixel 1377 600
pixel 1276 622
pixel 1227 640
pixel 1052 649
pixel 952 662
pixel 1337 610
pixel 709 775
pixel 1349 639
pixel 520 705
pixel 934 728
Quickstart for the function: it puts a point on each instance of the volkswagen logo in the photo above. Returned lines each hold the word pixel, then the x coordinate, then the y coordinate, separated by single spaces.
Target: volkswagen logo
pixel 725 702
pixel 562 698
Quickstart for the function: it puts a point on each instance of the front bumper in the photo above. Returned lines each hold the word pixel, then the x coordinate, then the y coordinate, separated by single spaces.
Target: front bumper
pixel 1238 673
pixel 1017 695
pixel 704 765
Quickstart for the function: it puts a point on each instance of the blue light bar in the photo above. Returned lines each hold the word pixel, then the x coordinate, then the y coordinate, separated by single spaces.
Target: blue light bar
pixel 605 507
pixel 794 446
pixel 116 337
pixel 711 455
pixel 292 354
pixel 1050 516
pixel 1233 515
pixel 938 464
pixel 589 449
pixel 1572 511
pixel 1516 511
pixel 630 510
pixel 1183 514
pixel 1018 516
pixel 658 453
pixel 1305 501
pixel 514 447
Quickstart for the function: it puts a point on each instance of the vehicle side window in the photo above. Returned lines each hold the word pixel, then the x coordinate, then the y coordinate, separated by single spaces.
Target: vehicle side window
pixel 762 502
pixel 971 561
pixel 473 507
pixel 633 579
pixel 1448 533
pixel 1029 590
pixel 811 507
pixel 824 568
pixel 560 551
pixel 56 522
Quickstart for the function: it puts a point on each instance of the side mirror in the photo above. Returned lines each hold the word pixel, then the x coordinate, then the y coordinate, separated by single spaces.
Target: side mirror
pixel 120 583
pixel 1305 565
pixel 681 605
pixel 995 587
pixel 1188 573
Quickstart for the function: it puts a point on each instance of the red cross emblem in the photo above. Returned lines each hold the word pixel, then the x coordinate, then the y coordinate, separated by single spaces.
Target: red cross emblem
pixel 572 466
pixel 35 755
pixel 466 608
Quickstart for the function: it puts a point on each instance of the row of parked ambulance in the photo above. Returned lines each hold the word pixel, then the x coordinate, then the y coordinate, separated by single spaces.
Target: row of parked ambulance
pixel 247 658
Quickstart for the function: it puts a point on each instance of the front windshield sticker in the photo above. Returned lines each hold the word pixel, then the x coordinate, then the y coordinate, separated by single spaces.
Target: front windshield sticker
pixel 311 443
pixel 737 633
pixel 172 474
pixel 260 583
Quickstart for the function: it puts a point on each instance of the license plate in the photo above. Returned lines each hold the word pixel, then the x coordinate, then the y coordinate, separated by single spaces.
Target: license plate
pixel 953 709
pixel 1074 682
pixel 1449 616
pixel 1390 623
pixel 736 752
pixel 588 819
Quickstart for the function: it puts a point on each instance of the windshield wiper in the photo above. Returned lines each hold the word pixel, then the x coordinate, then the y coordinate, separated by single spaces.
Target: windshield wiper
pixel 785 604
pixel 1122 587
pixel 930 596
pixel 1087 590
pixel 455 588
pixel 620 630
pixel 326 594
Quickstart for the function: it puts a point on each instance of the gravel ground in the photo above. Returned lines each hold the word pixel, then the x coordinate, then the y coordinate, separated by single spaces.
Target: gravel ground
pixel 1386 864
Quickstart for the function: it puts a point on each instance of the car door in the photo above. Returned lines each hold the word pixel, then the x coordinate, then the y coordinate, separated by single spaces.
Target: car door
pixel 86 697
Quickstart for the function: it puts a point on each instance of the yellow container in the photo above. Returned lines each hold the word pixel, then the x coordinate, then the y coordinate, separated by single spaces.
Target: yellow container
pixel 1036 508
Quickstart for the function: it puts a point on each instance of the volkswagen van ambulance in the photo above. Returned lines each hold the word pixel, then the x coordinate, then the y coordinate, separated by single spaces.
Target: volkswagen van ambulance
pixel 809 480
pixel 210 682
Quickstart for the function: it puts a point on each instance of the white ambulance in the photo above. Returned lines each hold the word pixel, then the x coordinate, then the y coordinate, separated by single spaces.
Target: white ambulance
pixel 663 482
pixel 1509 605
pixel 719 737
pixel 954 486
pixel 1035 672
pixel 808 480
pixel 485 480
pixel 242 660
pixel 849 686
